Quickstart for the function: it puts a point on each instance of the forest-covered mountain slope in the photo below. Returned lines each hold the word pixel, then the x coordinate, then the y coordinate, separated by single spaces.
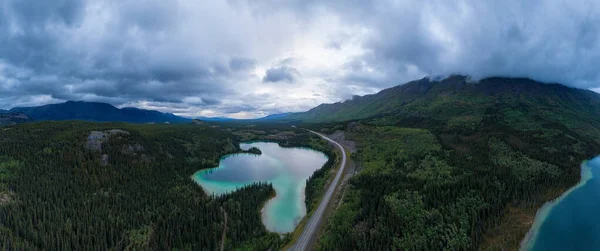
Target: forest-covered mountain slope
pixel 457 102
pixel 456 164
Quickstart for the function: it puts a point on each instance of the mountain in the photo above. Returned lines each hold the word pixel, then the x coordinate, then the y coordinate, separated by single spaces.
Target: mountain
pixel 458 101
pixel 475 159
pixel 277 116
pixel 215 119
pixel 94 111
pixel 12 118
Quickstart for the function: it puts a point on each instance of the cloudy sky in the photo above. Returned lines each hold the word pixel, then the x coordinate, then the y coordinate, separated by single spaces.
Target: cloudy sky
pixel 249 58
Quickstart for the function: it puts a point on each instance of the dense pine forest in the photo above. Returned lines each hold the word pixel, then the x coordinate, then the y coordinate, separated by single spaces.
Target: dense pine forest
pixel 59 191
pixel 440 188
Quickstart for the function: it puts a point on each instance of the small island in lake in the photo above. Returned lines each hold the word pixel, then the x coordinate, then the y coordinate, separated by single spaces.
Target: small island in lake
pixel 285 168
pixel 253 150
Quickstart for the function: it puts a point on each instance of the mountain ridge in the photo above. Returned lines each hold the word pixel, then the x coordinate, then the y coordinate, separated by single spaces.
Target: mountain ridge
pixel 272 117
pixel 498 147
pixel 97 112
pixel 104 112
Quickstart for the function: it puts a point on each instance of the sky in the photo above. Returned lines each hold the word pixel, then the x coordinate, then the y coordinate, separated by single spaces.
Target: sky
pixel 250 58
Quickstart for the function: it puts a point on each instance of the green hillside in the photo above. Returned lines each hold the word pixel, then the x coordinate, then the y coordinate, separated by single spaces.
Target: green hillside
pixel 456 102
pixel 455 164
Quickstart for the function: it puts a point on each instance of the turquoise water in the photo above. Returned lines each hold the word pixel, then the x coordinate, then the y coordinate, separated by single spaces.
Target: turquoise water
pixel 571 222
pixel 286 168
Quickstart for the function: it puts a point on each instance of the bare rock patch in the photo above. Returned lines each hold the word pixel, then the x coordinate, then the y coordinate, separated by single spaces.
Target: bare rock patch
pixel 96 138
pixel 340 137
pixel 5 198
pixel 104 160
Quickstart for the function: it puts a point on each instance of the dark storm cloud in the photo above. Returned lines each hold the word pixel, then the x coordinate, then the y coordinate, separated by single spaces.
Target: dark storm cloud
pixel 36 13
pixel 210 101
pixel 241 64
pixel 239 108
pixel 31 29
pixel 281 74
pixel 45 50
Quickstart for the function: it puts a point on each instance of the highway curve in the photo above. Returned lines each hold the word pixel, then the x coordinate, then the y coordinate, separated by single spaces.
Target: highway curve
pixel 311 227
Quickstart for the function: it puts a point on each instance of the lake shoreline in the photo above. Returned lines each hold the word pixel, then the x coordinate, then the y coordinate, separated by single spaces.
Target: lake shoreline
pixel 286 169
pixel 542 213
pixel 262 209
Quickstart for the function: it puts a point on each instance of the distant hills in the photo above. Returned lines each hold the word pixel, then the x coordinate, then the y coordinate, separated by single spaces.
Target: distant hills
pixel 94 111
pixel 215 119
pixel 271 117
pixel 103 112
pixel 276 116
pixel 455 101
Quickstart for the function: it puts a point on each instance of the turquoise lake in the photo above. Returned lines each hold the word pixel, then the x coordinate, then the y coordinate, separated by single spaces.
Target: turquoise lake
pixel 571 222
pixel 286 168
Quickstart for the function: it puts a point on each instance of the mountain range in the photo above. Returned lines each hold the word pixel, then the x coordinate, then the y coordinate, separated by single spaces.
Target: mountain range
pixel 272 117
pixel 94 111
pixel 451 102
pixel 103 112
pixel 499 148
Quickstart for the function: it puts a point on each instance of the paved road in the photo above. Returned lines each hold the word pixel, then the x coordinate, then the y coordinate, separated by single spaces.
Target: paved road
pixel 311 227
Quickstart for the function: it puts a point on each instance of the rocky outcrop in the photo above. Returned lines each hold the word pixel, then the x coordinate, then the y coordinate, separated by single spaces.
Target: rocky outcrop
pixel 132 149
pixel 96 138
pixel 6 198
pixel 340 137
pixel 104 160
pixel 198 122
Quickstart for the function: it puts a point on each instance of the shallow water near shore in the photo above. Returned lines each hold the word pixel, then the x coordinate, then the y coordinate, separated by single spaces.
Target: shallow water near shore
pixel 572 221
pixel 286 168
